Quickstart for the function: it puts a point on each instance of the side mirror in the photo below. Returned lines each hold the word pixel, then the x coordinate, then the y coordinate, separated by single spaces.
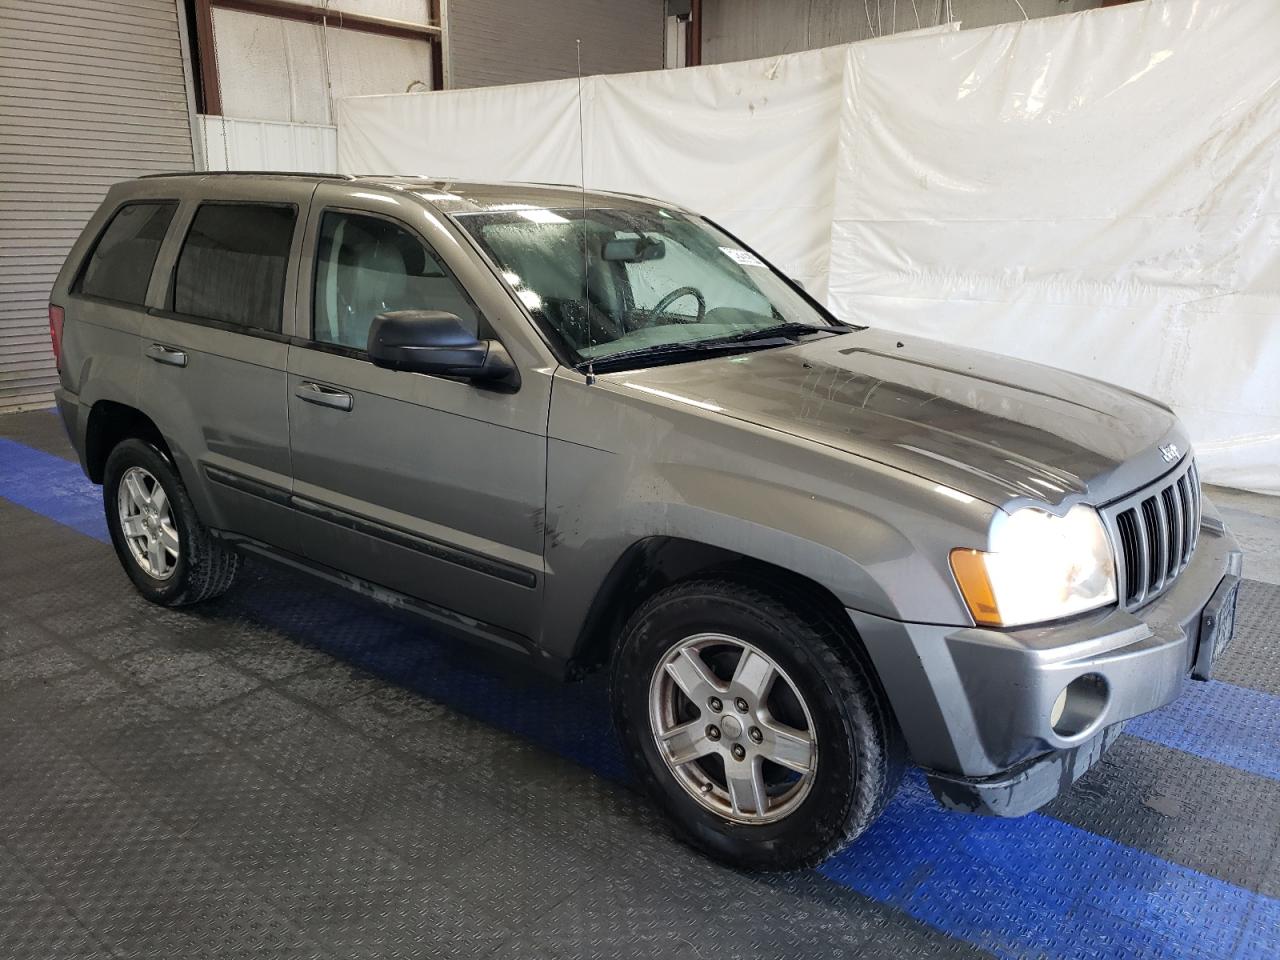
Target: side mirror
pixel 433 341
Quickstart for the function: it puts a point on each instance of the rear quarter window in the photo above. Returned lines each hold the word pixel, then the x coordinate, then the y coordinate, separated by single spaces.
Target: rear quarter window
pixel 120 266
pixel 233 263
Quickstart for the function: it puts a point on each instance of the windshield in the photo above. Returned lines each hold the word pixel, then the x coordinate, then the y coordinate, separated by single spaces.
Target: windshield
pixel 658 279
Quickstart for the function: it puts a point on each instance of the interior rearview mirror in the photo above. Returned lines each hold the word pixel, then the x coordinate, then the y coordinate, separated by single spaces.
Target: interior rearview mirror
pixel 634 249
pixel 436 342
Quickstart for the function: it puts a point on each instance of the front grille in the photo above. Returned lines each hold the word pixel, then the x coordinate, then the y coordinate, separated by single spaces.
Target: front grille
pixel 1155 532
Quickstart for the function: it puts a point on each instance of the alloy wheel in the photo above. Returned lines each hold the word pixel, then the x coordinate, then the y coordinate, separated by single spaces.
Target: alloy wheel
pixel 733 728
pixel 147 522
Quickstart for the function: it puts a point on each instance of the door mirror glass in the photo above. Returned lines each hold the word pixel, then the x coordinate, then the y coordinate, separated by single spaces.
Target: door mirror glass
pixel 435 342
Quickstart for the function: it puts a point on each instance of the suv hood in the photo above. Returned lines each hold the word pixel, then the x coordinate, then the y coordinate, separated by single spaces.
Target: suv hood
pixel 996 428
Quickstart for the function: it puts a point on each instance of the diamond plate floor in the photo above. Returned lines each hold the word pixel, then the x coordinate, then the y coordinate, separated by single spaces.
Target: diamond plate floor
pixel 291 772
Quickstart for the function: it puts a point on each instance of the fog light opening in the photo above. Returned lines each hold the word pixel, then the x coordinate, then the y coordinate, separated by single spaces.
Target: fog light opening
pixel 1079 705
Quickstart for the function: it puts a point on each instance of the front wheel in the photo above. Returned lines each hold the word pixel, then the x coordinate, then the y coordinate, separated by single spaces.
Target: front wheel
pixel 757 729
pixel 168 553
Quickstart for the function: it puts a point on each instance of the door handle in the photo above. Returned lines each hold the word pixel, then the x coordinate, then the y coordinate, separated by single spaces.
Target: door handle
pixel 162 354
pixel 323 396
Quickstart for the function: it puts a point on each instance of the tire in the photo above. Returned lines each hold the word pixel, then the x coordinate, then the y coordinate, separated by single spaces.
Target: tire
pixel 201 568
pixel 857 756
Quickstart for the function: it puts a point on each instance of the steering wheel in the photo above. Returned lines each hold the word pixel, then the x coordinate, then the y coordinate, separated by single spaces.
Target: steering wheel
pixel 671 298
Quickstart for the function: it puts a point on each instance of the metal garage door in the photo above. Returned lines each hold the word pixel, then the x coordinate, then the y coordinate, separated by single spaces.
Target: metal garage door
pixel 91 92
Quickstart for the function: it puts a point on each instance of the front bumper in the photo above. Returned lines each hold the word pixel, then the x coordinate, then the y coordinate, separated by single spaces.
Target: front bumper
pixel 974 704
pixel 1028 786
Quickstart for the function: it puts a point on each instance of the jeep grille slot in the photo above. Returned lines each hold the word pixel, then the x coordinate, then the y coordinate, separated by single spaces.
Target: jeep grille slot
pixel 1155 532
pixel 1129 546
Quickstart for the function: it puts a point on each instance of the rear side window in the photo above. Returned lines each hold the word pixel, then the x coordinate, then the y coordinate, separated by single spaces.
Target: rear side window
pixel 233 263
pixel 120 266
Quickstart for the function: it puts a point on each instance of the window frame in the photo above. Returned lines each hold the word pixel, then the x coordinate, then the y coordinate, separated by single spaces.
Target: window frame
pixel 168 311
pixel 307 337
pixel 77 284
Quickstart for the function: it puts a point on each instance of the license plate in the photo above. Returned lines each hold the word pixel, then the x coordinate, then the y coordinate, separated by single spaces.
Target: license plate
pixel 1217 626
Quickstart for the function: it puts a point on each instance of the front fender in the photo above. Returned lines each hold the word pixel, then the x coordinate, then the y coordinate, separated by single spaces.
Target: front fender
pixel 624 470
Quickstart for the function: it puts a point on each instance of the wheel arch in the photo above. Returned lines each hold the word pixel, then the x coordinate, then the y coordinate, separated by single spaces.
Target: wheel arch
pixel 109 423
pixel 653 563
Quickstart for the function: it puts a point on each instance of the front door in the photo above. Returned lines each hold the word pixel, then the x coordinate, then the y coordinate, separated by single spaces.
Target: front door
pixel 430 486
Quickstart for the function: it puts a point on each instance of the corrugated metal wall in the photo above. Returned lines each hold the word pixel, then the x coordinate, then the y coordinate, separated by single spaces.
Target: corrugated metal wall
pixel 91 92
pixel 496 41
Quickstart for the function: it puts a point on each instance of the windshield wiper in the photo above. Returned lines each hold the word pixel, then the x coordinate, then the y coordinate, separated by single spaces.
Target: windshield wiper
pixel 779 331
pixel 670 352
pixel 697 349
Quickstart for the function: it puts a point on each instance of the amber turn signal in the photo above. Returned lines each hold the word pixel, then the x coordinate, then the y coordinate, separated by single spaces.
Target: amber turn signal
pixel 975 586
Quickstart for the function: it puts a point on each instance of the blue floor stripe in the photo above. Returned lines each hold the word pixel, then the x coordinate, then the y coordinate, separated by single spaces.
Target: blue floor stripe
pixel 1037 886
pixel 1196 721
pixel 51 487
pixel 1019 888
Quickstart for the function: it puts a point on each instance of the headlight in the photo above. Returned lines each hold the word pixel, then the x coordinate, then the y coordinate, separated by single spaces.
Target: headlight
pixel 1039 567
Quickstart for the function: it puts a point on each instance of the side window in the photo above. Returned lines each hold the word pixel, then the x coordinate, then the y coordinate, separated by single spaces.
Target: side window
pixel 121 263
pixel 366 266
pixel 233 263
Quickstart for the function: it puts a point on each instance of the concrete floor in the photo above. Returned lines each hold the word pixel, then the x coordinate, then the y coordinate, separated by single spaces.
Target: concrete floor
pixel 289 772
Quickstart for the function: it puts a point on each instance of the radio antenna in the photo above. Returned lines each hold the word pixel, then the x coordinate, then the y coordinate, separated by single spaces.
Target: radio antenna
pixel 586 245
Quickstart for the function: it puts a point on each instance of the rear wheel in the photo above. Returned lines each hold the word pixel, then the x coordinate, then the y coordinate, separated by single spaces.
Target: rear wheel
pixel 168 553
pixel 757 729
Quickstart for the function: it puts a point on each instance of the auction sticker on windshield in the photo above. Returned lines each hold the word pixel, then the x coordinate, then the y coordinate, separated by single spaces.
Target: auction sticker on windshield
pixel 741 257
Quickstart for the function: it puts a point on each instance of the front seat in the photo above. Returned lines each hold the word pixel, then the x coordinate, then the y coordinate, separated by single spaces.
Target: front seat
pixel 373 276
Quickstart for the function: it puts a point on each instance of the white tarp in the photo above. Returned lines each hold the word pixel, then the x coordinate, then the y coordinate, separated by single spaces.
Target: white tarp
pixel 1099 192
pixel 669 134
pixel 526 132
pixel 752 145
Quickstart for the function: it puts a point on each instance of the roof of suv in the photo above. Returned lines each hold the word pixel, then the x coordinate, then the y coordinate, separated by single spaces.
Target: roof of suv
pixel 454 196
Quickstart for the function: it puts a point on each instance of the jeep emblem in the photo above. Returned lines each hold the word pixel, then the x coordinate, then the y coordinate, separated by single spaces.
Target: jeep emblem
pixel 1170 452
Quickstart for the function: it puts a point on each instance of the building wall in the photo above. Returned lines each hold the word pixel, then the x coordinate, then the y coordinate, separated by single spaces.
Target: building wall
pixel 290 72
pixel 285 71
pixel 746 29
pixel 499 41
pixel 231 144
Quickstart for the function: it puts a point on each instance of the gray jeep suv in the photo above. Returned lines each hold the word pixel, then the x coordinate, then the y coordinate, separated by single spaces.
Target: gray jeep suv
pixel 600 432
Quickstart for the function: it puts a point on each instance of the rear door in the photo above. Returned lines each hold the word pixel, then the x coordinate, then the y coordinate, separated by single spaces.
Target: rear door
pixel 214 377
pixel 105 294
pixel 433 487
